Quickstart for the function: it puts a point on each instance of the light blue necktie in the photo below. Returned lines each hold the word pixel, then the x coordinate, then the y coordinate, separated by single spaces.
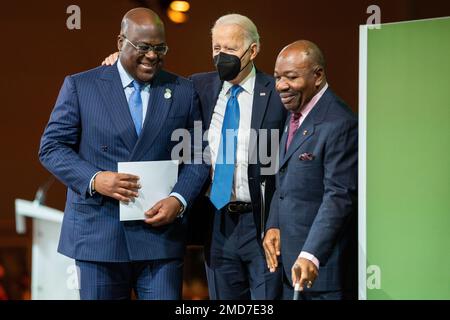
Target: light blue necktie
pixel 135 104
pixel 224 168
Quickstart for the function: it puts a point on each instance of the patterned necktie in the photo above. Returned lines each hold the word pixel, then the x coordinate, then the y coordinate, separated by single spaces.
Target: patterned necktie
pixel 226 157
pixel 135 104
pixel 293 126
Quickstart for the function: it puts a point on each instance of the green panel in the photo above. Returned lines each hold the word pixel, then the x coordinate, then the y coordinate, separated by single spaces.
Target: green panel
pixel 408 159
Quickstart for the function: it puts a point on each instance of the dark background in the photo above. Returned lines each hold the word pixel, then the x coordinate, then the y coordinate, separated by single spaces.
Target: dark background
pixel 38 51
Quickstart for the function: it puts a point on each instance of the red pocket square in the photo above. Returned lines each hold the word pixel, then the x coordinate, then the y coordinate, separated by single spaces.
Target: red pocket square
pixel 306 156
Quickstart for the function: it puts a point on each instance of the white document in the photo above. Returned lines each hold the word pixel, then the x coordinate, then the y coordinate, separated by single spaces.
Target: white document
pixel 157 179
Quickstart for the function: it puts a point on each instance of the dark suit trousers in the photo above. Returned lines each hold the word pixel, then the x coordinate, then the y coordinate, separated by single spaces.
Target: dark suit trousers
pixel 150 280
pixel 235 264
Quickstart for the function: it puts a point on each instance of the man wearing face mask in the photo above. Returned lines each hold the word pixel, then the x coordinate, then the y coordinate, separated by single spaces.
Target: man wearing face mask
pixel 229 216
pixel 237 99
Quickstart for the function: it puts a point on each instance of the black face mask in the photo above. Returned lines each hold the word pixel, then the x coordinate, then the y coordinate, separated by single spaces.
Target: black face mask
pixel 228 65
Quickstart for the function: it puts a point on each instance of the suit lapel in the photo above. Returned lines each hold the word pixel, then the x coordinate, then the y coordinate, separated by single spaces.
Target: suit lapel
pixel 110 87
pixel 214 87
pixel 303 133
pixel 261 96
pixel 157 111
pixel 307 128
pixel 283 139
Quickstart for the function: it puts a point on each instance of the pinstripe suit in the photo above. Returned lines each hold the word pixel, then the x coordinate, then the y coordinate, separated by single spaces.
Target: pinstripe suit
pixel 314 204
pixel 90 130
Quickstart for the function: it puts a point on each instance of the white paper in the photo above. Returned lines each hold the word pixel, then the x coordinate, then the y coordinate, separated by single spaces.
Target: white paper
pixel 157 179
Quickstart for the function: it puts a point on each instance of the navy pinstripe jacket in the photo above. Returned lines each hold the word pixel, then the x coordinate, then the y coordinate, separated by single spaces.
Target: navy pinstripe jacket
pixel 91 129
pixel 315 202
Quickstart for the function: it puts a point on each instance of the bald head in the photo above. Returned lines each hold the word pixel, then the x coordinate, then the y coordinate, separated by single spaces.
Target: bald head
pixel 143 18
pixel 306 50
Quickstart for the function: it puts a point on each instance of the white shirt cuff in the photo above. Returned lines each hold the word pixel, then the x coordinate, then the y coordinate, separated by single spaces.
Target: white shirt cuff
pixel 91 182
pixel 310 257
pixel 179 197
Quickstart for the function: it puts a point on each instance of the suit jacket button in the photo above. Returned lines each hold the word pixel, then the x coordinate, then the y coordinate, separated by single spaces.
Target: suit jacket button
pixel 281 197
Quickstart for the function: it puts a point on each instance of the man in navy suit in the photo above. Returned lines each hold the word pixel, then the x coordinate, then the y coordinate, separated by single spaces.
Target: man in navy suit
pixel 124 112
pixel 232 231
pixel 238 207
pixel 312 221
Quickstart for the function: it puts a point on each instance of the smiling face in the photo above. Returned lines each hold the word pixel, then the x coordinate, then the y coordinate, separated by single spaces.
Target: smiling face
pixel 298 79
pixel 142 67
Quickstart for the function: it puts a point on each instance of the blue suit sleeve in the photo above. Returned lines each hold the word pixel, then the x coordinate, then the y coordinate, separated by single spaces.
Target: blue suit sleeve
pixel 193 175
pixel 340 191
pixel 272 220
pixel 59 144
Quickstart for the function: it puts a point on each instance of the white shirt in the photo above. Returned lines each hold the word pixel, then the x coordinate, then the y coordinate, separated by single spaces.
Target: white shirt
pixel 241 191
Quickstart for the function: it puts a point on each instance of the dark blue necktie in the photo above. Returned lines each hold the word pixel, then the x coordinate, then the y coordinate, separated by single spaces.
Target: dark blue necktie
pixel 226 157
pixel 135 104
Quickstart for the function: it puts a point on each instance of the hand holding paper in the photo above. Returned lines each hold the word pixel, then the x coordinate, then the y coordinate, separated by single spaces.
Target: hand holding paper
pixel 157 179
pixel 120 186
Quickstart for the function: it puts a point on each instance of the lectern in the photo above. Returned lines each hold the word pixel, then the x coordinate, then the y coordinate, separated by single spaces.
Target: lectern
pixel 53 276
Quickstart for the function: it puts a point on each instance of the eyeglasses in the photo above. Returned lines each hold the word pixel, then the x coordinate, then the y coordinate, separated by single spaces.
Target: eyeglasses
pixel 159 49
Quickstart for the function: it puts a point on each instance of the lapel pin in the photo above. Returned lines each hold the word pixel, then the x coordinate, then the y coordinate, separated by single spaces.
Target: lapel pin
pixel 285 129
pixel 305 132
pixel 168 94
pixel 262 94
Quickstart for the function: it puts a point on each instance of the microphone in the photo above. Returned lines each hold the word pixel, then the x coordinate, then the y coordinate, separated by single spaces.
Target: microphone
pixel 39 197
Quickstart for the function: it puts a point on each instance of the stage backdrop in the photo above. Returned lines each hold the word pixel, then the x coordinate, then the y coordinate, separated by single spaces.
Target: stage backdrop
pixel 405 160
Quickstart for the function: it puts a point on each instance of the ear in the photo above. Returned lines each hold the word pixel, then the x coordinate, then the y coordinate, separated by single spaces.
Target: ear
pixel 254 51
pixel 319 74
pixel 119 42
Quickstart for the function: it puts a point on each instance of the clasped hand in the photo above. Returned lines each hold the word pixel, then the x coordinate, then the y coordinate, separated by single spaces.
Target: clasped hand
pixel 125 187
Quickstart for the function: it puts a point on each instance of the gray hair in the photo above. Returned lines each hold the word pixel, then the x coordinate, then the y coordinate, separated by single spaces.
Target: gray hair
pixel 250 32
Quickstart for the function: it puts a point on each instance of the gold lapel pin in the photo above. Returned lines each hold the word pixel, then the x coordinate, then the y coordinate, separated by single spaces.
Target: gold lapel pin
pixel 168 94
